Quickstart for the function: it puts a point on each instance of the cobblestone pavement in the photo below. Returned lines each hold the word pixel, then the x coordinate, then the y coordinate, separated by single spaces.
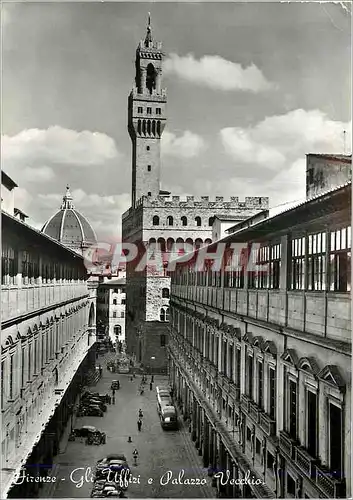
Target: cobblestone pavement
pixel 159 451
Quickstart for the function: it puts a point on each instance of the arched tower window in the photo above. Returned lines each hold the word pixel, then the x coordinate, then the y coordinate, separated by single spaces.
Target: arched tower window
pixel 155 220
pixel 139 129
pixel 165 293
pixel 154 127
pixel 158 128
pixel 144 127
pixel 184 221
pixel 170 220
pixel 151 78
pixel 162 315
pixel 210 221
pixel 149 127
pixel 198 221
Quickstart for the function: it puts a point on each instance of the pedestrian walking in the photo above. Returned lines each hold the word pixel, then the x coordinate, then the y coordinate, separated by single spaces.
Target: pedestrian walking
pixel 135 455
pixel 113 393
pixel 140 413
pixel 139 424
pixel 118 384
pixel 131 378
pixel 100 371
pixel 151 386
pixel 152 379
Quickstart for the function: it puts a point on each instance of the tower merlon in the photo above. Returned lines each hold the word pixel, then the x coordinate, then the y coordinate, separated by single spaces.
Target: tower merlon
pixel 261 202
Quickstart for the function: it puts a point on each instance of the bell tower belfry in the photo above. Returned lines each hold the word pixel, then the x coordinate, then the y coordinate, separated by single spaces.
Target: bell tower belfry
pixel 146 118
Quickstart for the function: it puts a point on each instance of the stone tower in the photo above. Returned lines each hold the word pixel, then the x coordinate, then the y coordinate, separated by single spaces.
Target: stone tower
pixel 147 112
pixel 167 224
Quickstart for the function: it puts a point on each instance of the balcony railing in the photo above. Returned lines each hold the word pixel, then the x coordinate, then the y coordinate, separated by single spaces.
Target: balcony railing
pixel 332 487
pixel 287 444
pixel 305 461
pixel 254 411
pixel 245 400
pixel 267 424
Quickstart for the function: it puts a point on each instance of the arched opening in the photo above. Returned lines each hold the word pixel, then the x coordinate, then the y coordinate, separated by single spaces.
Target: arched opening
pixel 198 221
pixel 170 220
pixel 158 128
pixel 170 244
pixel 189 245
pixel 180 246
pixel 184 221
pixel 161 244
pixel 151 78
pixel 208 241
pixel 91 320
pixel 139 128
pixel 167 314
pixel 211 221
pixel 149 127
pixel 56 376
pixel 115 302
pixel 154 127
pixel 198 243
pixel 155 220
pixel 152 242
pixel 144 127
pixel 165 293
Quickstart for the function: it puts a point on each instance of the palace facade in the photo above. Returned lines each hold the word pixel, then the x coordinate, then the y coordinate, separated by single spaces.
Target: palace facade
pixel 260 357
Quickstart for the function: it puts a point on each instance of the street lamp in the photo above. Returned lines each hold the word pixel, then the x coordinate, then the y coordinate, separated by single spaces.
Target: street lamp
pixel 152 359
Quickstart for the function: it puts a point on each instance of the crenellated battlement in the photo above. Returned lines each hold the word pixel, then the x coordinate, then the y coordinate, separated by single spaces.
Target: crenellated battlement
pixel 260 202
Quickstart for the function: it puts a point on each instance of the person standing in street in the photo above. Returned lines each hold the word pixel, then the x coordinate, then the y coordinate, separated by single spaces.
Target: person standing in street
pixel 113 396
pixel 100 371
pixel 139 424
pixel 151 386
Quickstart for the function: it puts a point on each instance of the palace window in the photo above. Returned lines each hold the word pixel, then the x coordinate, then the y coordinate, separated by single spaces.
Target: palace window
pixel 165 293
pixel 340 260
pixel 123 301
pixel 260 383
pixel 140 109
pixel 164 314
pixel 149 111
pixel 11 377
pixel 115 302
pixel 122 314
pixel 335 440
pixel 184 221
pixel 238 366
pixel 29 362
pixel 198 221
pixel 292 408
pixel 250 375
pixel 317 261
pixel 8 265
pixel 170 220
pixel 275 266
pixel 311 422
pixel 155 220
pixel 258 276
pixel 114 314
pixel 211 221
pixel 23 367
pixel 272 392
pixel 158 111
pixel 231 362
pixel 298 264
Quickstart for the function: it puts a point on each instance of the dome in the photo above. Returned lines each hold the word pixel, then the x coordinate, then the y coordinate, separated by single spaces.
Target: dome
pixel 69 226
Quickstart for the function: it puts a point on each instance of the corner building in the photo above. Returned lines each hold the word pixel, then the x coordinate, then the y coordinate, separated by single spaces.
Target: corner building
pixel 156 219
pixel 261 361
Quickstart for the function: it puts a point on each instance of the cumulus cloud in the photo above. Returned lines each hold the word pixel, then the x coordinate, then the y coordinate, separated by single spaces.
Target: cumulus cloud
pixel 185 146
pixel 278 141
pixel 216 73
pixel 35 151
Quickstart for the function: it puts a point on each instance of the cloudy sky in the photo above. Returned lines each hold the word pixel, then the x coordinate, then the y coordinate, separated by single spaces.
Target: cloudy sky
pixel 251 89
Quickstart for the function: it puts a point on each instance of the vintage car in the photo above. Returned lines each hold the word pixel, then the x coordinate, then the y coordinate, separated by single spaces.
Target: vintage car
pixel 90 411
pixel 92 434
pixel 115 466
pixel 105 398
pixel 96 402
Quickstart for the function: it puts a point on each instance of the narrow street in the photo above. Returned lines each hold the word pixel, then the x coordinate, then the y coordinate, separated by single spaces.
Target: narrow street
pixel 159 451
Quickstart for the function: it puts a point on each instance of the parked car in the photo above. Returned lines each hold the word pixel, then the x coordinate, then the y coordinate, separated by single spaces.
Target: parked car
pixel 90 411
pixel 168 417
pixel 96 402
pixel 92 434
pixel 115 465
pixel 103 397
